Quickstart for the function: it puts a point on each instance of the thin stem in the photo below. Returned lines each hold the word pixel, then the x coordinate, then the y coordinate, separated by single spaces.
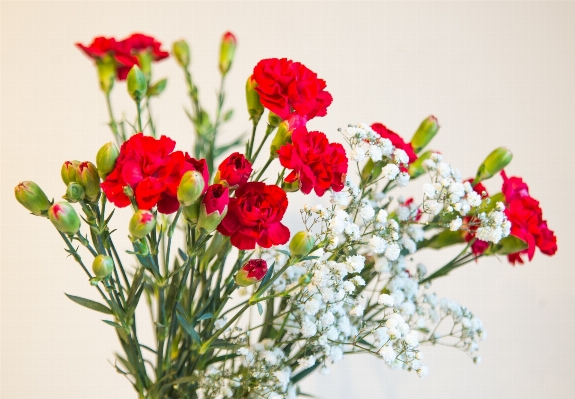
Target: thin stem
pixel 269 131
pixel 139 109
pixel 113 124
pixel 268 163
pixel 251 142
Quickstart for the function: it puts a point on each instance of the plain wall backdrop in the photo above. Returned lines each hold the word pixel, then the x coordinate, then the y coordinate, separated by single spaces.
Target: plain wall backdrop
pixel 493 73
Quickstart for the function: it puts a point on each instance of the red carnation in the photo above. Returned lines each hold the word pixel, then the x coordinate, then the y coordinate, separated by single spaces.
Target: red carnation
pixel 395 139
pixel 284 85
pixel 153 171
pixel 251 272
pixel 102 47
pixel 254 216
pixel 235 170
pixel 526 217
pixel 316 163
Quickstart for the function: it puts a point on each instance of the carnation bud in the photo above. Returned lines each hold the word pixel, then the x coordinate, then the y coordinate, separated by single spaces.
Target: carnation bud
pixel 181 51
pixel 426 131
pixel 87 176
pixel 64 218
pixel 371 170
pixel 137 83
pixel 191 187
pixel 31 196
pixel 282 137
pixel 255 107
pixel 274 120
pixel 493 164
pixel 74 192
pixel 68 171
pixel 102 266
pixel 213 208
pixel 251 272
pixel 106 159
pixel 192 212
pixel 227 50
pixel 290 187
pixel 416 168
pixel 301 243
pixel 106 72
pixel 141 224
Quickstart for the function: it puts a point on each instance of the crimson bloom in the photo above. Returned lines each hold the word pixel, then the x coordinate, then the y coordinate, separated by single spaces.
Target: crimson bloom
pixel 395 139
pixel 318 164
pixel 124 52
pixel 251 272
pixel 526 217
pixel 235 170
pixel 286 86
pixel 153 170
pixel 254 217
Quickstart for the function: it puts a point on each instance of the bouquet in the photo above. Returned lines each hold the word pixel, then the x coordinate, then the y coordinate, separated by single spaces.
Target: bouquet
pixel 241 307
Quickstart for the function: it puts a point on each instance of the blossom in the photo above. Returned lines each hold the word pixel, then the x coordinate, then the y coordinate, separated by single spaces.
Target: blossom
pixel 251 272
pixel 284 85
pixel 315 162
pixel 235 170
pixel 254 216
pixel 395 139
pixel 153 170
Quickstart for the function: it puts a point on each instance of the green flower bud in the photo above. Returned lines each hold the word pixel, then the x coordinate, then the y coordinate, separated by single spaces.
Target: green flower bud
pixel 213 208
pixel 181 52
pixel 273 119
pixel 31 196
pixel 301 243
pixel 255 107
pixel 191 187
pixel 191 213
pixel 493 164
pixel 141 224
pixel 137 84
pixel 145 64
pixel 371 170
pixel 102 266
pixel 416 168
pixel 227 50
pixel 290 187
pixel 87 176
pixel 424 133
pixel 106 67
pixel 64 218
pixel 251 272
pixel 68 171
pixel 74 192
pixel 106 159
pixel 282 137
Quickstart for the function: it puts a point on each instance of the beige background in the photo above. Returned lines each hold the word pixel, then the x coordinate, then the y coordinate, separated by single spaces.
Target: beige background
pixel 493 73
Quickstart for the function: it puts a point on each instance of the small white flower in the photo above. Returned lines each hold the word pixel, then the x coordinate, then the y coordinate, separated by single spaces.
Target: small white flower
pixel 306 362
pixel 392 252
pixel 308 329
pixel 375 153
pixel 400 156
pixel 386 300
pixel 381 216
pixel 429 190
pixel 455 224
pixel 390 171
pixel 381 265
pixel 367 212
pixel 358 154
pixel 377 244
pixel 403 179
pixel 473 199
pixel 387 353
pixel 327 319
pixel 357 311
pixel 422 371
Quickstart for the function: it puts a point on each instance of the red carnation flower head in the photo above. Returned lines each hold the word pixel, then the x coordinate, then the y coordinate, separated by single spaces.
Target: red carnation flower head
pixel 285 86
pixel 153 170
pixel 513 187
pixel 234 171
pixel 254 217
pixel 251 272
pixel 315 162
pixel 395 139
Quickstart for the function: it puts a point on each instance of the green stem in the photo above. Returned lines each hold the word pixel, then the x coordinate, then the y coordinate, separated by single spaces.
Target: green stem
pixel 113 124
pixel 453 264
pixel 139 109
pixel 251 142
pixel 268 163
pixel 150 118
pixel 269 131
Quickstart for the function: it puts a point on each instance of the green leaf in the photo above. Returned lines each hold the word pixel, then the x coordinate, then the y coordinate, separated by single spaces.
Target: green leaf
pixel 282 251
pixel 260 308
pixel 111 323
pixel 220 150
pixel 299 376
pixel 228 115
pixel 508 245
pixel 266 278
pixel 443 239
pixel 88 303
pixel 493 200
pixel 189 329
pixel 222 358
pixel 205 316
pixel 157 88
pixel 221 344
